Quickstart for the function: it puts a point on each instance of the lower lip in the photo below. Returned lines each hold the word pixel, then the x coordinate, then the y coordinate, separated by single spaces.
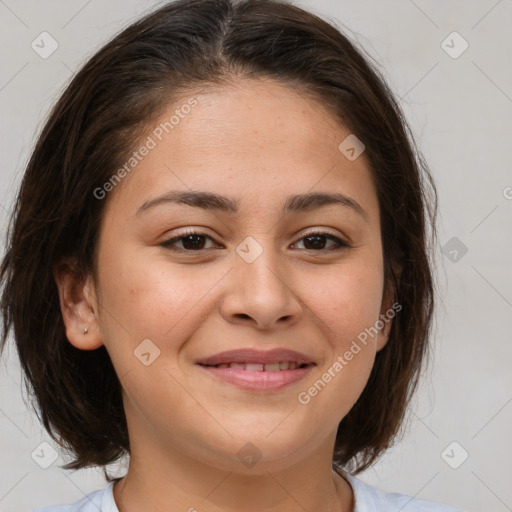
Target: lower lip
pixel 258 381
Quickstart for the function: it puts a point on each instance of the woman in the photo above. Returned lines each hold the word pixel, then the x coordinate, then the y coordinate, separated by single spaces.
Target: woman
pixel 219 265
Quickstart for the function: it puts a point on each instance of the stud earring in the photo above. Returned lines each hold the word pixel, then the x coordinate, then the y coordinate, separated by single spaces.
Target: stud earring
pixel 85 331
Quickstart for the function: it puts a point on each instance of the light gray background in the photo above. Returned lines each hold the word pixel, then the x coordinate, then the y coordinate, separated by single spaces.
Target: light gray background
pixel 460 110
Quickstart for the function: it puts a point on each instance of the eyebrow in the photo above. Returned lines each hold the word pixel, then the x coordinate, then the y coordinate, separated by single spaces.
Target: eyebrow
pixel 216 202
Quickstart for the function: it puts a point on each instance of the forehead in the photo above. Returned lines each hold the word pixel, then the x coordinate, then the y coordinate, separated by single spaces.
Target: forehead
pixel 253 139
pixel 256 118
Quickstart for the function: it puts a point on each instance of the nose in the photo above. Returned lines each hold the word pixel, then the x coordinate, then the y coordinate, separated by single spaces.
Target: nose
pixel 261 293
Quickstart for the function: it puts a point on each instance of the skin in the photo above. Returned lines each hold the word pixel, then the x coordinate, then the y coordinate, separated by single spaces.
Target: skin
pixel 256 141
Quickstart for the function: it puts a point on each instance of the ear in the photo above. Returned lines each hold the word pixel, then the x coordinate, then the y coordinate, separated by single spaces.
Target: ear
pixel 389 308
pixel 78 304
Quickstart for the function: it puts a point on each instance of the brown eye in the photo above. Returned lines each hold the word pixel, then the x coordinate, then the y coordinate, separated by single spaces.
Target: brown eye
pixel 191 241
pixel 317 242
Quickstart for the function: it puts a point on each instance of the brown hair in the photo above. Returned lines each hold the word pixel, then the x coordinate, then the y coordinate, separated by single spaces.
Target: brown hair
pixel 93 127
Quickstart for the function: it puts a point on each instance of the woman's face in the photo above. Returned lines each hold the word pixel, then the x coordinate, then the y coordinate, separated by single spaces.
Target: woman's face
pixel 252 279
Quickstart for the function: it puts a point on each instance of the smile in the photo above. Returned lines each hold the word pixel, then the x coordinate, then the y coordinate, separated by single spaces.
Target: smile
pixel 261 367
pixel 258 377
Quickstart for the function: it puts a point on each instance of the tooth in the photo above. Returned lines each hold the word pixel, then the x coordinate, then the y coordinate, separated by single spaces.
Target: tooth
pixel 293 366
pixel 237 366
pixel 284 365
pixel 254 367
pixel 272 367
pixel 222 365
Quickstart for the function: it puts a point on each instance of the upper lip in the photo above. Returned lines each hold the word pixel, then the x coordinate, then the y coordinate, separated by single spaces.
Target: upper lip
pixel 248 355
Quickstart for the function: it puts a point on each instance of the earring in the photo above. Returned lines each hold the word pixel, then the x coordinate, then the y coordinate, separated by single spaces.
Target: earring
pixel 85 331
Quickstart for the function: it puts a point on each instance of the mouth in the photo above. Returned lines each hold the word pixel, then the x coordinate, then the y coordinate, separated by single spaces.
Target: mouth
pixel 261 367
pixel 258 370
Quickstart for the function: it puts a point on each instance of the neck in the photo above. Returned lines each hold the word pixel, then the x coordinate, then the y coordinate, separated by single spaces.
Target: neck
pixel 162 479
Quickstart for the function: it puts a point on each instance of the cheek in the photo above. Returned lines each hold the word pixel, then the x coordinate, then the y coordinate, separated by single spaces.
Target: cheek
pixel 347 307
pixel 150 298
pixel 349 300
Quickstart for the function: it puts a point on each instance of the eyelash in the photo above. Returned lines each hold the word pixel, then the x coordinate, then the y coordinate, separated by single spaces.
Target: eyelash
pixel 168 244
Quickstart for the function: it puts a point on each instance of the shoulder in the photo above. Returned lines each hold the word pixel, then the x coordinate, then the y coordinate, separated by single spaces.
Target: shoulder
pixel 371 499
pixel 97 501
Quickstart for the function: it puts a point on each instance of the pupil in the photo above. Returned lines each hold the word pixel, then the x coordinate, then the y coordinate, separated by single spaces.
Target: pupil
pixel 317 244
pixel 196 242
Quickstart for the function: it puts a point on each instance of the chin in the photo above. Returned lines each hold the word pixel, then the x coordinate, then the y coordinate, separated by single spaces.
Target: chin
pixel 260 451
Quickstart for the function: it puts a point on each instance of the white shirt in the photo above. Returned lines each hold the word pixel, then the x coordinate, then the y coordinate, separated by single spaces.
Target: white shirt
pixel 367 499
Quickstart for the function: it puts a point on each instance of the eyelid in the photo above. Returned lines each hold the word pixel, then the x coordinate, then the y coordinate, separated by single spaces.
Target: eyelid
pixel 323 231
pixel 338 239
pixel 341 240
